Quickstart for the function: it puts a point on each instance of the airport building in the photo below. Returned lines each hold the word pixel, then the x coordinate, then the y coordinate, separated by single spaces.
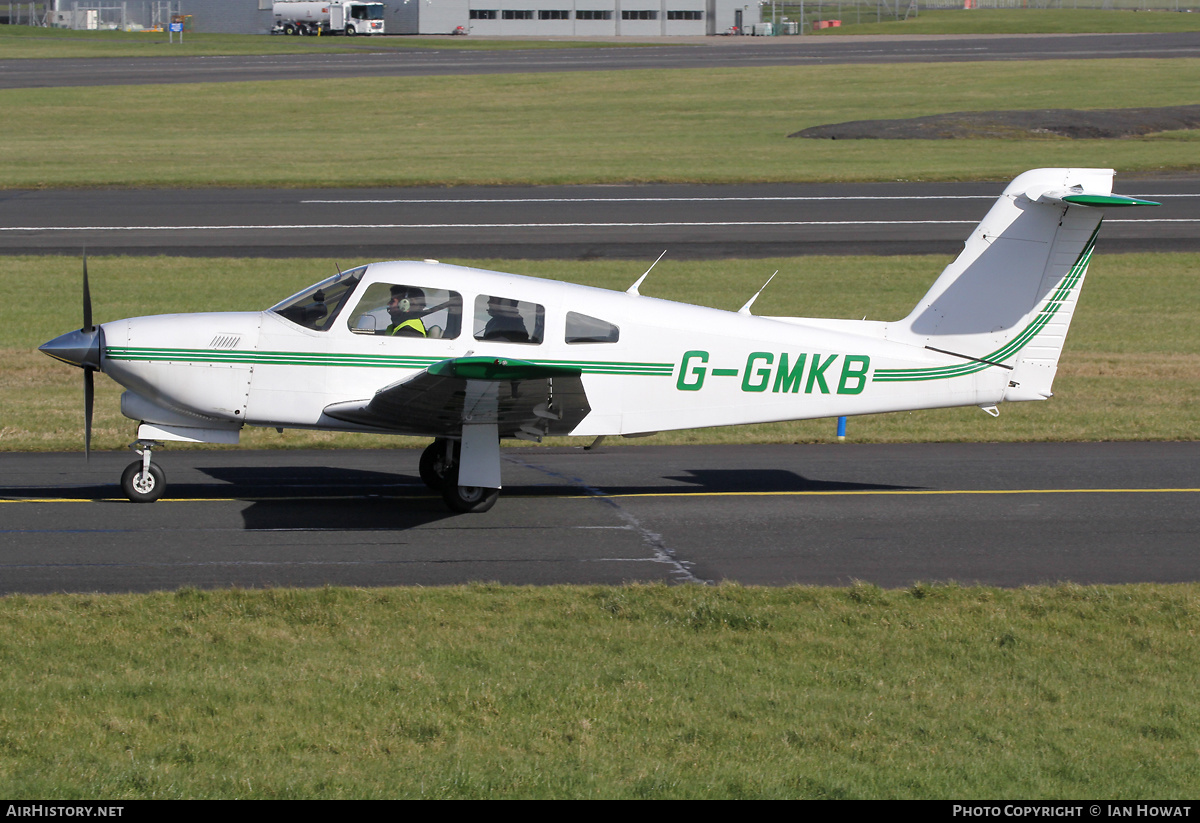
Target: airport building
pixel 535 18
pixel 581 18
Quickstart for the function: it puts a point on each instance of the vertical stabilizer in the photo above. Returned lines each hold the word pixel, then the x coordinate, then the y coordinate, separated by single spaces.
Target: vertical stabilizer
pixel 1008 298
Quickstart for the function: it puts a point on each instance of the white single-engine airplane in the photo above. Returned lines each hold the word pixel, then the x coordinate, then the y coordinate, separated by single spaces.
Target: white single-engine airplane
pixel 468 356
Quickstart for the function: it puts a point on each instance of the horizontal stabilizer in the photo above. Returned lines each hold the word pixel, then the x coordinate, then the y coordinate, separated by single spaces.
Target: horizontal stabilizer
pixel 1079 197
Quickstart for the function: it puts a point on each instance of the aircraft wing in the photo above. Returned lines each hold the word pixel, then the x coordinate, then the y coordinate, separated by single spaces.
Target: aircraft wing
pixel 520 397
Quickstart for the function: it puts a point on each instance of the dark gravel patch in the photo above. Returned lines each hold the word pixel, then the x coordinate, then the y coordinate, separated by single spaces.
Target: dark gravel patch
pixel 1071 123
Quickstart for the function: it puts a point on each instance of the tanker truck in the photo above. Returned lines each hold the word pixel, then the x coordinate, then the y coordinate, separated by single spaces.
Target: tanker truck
pixel 332 17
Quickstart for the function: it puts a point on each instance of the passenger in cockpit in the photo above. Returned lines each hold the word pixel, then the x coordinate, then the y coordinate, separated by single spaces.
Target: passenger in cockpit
pixel 504 322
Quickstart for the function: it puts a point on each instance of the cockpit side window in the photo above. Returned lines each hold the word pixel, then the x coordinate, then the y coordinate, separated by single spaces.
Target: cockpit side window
pixel 318 306
pixel 584 329
pixel 508 320
pixel 405 310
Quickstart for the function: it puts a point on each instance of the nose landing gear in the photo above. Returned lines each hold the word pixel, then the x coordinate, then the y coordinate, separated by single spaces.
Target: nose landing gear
pixel 143 481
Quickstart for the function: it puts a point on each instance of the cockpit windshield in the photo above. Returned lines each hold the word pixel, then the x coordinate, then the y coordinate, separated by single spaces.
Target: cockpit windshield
pixel 318 306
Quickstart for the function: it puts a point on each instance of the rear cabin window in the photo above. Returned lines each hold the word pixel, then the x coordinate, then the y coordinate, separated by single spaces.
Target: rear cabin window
pixel 510 321
pixel 405 310
pixel 584 329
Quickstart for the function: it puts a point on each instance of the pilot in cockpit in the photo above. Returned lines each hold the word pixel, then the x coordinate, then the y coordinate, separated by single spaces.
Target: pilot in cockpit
pixel 406 308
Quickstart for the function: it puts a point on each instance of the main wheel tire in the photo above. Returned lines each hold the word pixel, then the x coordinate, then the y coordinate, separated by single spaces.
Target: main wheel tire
pixel 143 488
pixel 467 499
pixel 433 465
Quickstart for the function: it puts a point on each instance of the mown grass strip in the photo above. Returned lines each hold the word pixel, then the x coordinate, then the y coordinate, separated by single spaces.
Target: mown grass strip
pixel 641 692
pixel 719 125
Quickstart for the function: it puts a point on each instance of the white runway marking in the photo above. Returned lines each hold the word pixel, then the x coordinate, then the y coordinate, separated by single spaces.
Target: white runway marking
pixel 746 199
pixel 426 226
pixel 452 201
pixel 621 225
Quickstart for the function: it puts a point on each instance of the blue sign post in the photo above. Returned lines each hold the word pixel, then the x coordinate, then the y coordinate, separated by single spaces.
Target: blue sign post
pixel 176 27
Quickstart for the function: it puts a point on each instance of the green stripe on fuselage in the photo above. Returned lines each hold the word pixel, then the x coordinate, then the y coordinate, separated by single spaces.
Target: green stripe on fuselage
pixel 278 358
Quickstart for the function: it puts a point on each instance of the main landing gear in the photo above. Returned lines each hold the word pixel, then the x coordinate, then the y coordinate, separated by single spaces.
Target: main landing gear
pixel 143 481
pixel 439 471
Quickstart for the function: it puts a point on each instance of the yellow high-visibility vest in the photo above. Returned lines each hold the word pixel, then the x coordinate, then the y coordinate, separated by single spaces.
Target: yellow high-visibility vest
pixel 415 324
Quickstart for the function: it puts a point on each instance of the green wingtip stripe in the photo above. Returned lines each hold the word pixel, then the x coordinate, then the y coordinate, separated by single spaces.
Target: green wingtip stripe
pixel 1117 200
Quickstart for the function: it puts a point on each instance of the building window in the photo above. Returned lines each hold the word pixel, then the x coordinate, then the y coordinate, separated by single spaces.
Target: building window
pixel 517 14
pixel 484 14
pixel 685 15
pixel 592 14
pixel 639 15
pixel 554 14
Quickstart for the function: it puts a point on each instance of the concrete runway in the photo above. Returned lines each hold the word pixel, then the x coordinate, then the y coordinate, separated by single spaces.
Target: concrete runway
pixel 576 222
pixel 1001 514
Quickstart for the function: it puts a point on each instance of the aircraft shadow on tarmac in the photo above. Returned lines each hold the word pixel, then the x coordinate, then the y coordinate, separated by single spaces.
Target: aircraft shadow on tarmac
pixel 322 498
pixel 319 498
pixel 770 480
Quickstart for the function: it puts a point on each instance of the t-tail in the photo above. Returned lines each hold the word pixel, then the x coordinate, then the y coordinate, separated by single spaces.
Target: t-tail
pixel 1007 300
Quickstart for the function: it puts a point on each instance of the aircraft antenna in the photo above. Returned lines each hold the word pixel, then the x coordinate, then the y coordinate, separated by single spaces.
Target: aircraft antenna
pixel 746 308
pixel 633 290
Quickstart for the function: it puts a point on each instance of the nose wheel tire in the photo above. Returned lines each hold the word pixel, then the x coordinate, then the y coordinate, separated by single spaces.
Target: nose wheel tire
pixel 143 487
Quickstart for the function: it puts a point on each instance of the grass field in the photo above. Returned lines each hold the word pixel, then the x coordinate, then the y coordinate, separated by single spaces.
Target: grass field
pixel 1130 370
pixel 727 125
pixel 1059 692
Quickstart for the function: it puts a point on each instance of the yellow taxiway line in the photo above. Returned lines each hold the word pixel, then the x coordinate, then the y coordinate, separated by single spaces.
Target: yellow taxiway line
pixel 697 493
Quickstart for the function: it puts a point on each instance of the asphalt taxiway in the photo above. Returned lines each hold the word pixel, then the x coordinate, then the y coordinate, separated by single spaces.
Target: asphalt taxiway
pixel 1000 514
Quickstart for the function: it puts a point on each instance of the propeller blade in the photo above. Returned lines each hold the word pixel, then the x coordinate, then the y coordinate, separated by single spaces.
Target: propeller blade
pixel 89 393
pixel 87 298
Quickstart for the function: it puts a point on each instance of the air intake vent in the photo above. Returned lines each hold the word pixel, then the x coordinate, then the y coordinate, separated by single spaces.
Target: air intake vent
pixel 225 341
